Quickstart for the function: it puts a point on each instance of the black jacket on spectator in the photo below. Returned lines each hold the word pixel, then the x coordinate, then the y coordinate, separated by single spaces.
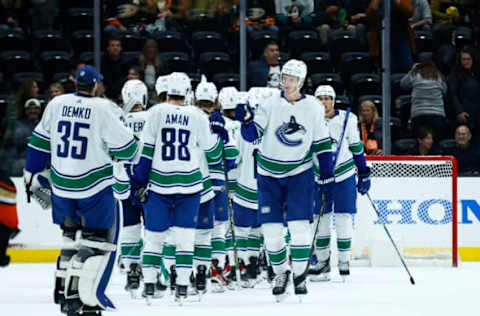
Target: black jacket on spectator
pixel 468 159
pixel 464 95
pixel 114 73
pixel 258 71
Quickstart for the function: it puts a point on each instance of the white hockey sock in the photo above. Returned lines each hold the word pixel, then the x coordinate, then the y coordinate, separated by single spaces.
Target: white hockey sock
pixel 275 245
pixel 241 235
pixel 169 249
pixel 185 239
pixel 130 246
pixel 344 228
pixel 299 245
pixel 253 243
pixel 203 248
pixel 152 255
pixel 218 242
pixel 322 241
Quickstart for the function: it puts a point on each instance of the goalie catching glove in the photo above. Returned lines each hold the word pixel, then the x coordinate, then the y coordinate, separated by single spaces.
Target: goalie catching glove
pixel 38 186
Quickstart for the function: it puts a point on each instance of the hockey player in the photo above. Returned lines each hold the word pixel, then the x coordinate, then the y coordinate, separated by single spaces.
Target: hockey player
pixel 292 127
pixel 168 165
pixel 161 87
pixel 134 96
pixel 8 216
pixel 79 135
pixel 344 133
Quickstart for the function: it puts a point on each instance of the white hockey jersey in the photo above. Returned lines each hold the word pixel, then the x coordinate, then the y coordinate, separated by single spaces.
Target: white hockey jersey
pixel 246 186
pixel 82 134
pixel 135 122
pixel 172 135
pixel 351 144
pixel 291 133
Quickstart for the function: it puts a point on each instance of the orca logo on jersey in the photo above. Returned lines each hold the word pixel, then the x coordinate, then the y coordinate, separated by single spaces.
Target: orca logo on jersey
pixel 287 129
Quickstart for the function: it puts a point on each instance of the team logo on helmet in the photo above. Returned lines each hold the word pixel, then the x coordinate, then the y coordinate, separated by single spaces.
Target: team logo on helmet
pixel 288 131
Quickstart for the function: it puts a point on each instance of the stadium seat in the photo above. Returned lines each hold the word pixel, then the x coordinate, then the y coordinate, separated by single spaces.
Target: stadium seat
pixel 423 56
pixel 212 63
pixel 331 79
pixel 79 19
pixel 375 98
pixel 17 61
pixel 170 41
pixel 354 63
pixel 176 61
pixel 87 58
pixel 205 41
pixel 61 77
pixel 396 129
pixel 54 62
pixel 82 41
pixel 228 79
pixel 423 41
pixel 404 146
pixel 343 41
pixel 342 102
pixel 463 37
pixel 403 105
pixel 13 40
pixel 258 39
pixel 284 57
pixel 3 104
pixel 132 41
pixel 317 62
pixel 301 41
pixel 49 41
pixel 396 89
pixel 37 76
pixel 364 84
pixel 447 146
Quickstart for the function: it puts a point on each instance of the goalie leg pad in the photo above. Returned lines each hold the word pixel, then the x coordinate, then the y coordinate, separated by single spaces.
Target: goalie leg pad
pixel 152 255
pixel 67 251
pixel 344 228
pixel 299 245
pixel 275 245
pixel 322 240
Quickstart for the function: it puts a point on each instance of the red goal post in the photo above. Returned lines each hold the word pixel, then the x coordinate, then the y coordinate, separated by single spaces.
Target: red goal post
pixel 417 196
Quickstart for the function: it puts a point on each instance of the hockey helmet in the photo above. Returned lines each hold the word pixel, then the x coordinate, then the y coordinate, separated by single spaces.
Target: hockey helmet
pixel 296 68
pixel 161 85
pixel 134 92
pixel 178 84
pixel 327 91
pixel 228 98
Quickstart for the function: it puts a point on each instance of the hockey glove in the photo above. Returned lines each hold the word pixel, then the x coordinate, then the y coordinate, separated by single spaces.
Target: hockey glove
pixel 244 113
pixel 38 186
pixel 217 125
pixel 326 191
pixel 140 196
pixel 363 184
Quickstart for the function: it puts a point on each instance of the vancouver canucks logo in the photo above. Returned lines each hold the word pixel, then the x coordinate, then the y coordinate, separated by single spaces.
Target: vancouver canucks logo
pixel 287 131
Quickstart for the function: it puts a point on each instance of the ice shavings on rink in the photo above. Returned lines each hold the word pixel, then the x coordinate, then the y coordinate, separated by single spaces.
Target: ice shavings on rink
pixel 26 289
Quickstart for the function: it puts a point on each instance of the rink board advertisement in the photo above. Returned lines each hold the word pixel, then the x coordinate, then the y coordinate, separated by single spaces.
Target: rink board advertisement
pixel 418 215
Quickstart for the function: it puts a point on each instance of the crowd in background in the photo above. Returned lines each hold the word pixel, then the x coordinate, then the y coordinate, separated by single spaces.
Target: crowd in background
pixel 435 66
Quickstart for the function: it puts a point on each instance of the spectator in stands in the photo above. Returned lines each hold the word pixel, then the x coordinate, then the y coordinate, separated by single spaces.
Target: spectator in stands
pixel 8 215
pixel 28 89
pixel 69 85
pixel 122 15
pixel 425 143
pixel 150 63
pixel 422 15
pixel 428 92
pixel 54 90
pixel 43 13
pixel 370 128
pixel 266 70
pixel 336 20
pixel 21 131
pixel 114 67
pixel 468 155
pixel 13 15
pixel 449 15
pixel 464 91
pixel 135 72
pixel 260 16
pixel 402 43
pixel 293 14
pixel 357 15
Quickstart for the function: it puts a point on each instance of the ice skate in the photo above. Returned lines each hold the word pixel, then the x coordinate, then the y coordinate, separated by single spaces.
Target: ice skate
pixel 300 287
pixel 320 272
pixel 217 280
pixel 201 281
pixel 344 270
pixel 148 292
pixel 134 276
pixel 180 294
pixel 280 288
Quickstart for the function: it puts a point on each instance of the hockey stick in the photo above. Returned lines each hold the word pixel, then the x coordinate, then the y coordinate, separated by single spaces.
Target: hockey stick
pixel 412 281
pixel 322 210
pixel 232 222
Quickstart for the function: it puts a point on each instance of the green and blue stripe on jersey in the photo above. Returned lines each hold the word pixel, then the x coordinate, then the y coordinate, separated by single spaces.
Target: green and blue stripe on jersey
pixel 82 182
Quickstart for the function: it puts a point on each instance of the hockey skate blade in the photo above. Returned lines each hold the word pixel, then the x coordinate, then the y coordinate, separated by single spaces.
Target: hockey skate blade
pixel 281 297
pixel 179 300
pixel 320 278
pixel 300 298
pixel 148 299
pixel 133 293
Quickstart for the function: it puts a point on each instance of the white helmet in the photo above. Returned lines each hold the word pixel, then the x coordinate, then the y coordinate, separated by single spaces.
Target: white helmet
pixel 257 94
pixel 242 97
pixel 296 68
pixel 190 98
pixel 178 84
pixel 206 91
pixel 326 90
pixel 161 85
pixel 134 92
pixel 228 98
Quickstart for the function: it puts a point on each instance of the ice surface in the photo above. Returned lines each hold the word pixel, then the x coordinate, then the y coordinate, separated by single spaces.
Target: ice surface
pixel 26 290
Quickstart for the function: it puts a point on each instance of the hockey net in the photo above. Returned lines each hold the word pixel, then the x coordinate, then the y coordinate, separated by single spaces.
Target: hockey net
pixel 416 197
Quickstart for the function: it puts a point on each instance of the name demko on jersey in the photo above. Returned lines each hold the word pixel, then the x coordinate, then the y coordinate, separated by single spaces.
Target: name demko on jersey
pixel 82 134
pixel 171 135
pixel 291 133
pixel 351 144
